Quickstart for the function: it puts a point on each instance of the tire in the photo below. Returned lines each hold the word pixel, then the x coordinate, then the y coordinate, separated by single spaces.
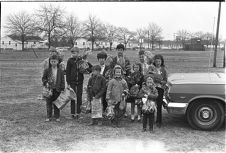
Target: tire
pixel 205 115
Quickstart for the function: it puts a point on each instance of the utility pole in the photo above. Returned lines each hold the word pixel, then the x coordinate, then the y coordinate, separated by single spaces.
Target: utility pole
pixel 224 56
pixel 217 33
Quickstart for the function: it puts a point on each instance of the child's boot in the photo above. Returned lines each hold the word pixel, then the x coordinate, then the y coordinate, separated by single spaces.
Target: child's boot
pixel 47 120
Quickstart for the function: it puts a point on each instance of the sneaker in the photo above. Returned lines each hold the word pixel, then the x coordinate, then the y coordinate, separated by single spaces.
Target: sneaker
pixel 58 120
pixel 47 120
pixel 144 130
pixel 132 120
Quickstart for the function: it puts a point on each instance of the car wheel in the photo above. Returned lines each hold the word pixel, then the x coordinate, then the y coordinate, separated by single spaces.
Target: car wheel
pixel 205 115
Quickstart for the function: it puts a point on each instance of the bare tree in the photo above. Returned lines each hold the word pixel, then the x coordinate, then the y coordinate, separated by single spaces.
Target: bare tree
pixel 153 31
pixel 20 24
pixel 182 36
pixel 159 41
pixel 73 29
pixel 49 20
pixel 110 32
pixel 93 29
pixel 123 34
pixel 140 34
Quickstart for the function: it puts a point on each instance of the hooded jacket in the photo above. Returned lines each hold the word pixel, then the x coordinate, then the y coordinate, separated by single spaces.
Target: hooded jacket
pixel 115 89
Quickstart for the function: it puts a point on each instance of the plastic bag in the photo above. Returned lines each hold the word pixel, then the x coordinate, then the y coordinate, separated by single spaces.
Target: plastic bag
pixel 46 92
pixel 110 112
pixel 66 96
pixel 96 108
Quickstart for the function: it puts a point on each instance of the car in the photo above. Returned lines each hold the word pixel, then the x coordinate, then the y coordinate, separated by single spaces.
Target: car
pixel 62 49
pixel 199 96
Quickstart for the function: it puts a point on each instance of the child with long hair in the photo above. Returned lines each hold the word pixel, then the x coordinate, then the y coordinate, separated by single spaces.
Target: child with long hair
pixel 53 77
pixel 161 81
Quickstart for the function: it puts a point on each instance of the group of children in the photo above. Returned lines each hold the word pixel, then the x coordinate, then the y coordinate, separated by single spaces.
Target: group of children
pixel 110 87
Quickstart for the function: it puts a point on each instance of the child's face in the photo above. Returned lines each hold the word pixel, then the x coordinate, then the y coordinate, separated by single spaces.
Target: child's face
pixel 75 54
pixel 95 72
pixel 136 68
pixel 101 61
pixel 118 72
pixel 53 53
pixel 142 58
pixel 149 82
pixel 120 53
pixel 158 62
pixel 53 62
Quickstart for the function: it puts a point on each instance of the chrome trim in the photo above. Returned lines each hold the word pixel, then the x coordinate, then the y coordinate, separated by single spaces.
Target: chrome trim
pixel 177 108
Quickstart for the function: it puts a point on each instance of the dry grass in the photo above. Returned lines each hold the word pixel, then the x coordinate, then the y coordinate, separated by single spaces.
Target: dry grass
pixel 22 126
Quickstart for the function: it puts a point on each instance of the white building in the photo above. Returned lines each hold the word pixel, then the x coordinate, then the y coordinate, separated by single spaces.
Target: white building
pixel 82 43
pixel 13 42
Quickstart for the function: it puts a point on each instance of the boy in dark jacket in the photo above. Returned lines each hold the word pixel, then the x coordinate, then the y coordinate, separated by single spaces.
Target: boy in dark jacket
pixel 75 77
pixel 101 57
pixel 95 89
pixel 53 77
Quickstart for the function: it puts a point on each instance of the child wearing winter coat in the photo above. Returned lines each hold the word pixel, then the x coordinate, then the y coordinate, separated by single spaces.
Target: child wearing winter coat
pixel 135 80
pixel 116 94
pixel 148 93
pixel 53 77
pixel 95 89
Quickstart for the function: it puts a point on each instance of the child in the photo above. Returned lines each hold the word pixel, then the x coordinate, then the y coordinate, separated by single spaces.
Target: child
pixel 116 92
pixel 95 89
pixel 148 93
pixel 160 81
pixel 54 77
pixel 135 80
pixel 75 78
pixel 102 56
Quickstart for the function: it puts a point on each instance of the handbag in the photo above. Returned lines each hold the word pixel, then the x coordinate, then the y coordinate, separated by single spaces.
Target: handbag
pixel 46 92
pixel 66 96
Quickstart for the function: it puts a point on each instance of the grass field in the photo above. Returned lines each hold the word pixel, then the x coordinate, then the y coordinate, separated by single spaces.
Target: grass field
pixel 22 115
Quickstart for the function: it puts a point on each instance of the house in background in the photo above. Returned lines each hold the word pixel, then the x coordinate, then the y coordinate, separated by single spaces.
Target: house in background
pixel 13 42
pixel 82 43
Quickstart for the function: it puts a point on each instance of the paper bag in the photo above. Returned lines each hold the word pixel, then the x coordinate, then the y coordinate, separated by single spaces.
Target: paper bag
pixel 66 96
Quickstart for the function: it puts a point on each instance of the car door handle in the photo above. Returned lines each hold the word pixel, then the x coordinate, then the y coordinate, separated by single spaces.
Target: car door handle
pixel 182 97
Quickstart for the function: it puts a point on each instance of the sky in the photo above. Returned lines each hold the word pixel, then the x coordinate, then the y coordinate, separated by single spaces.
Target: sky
pixel 171 16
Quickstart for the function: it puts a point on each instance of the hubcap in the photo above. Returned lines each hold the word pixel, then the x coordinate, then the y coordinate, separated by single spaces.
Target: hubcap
pixel 205 113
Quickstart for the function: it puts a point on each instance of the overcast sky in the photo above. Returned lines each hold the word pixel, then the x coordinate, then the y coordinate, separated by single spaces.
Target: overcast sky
pixel 171 16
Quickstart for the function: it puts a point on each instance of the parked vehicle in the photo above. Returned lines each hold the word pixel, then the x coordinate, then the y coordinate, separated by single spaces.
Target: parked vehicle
pixel 199 96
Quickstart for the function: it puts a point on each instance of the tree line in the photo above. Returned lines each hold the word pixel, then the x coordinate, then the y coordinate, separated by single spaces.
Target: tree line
pixel 55 24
